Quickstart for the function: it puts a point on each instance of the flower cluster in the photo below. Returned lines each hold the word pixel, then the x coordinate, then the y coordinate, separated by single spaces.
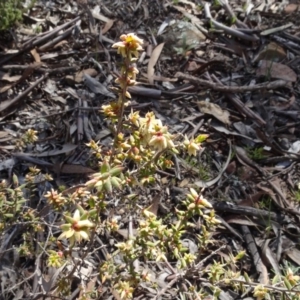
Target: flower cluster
pixel 129 45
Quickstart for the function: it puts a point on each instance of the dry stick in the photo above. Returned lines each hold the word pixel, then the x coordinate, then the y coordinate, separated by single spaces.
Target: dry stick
pixel 232 89
pixel 30 45
pixel 252 248
pixel 246 211
pixel 6 105
pixel 242 107
pixel 242 26
pixel 228 30
pixel 168 286
pixel 201 263
pixel 86 121
pixel 41 70
pixel 57 39
pixel 228 9
pixel 79 121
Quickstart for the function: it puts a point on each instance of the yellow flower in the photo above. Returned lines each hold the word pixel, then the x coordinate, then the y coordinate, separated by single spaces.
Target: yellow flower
pixel 55 198
pixel 76 229
pixel 134 118
pixel 161 140
pixel 191 146
pixel 197 200
pixel 111 110
pixel 260 292
pixel 130 44
pixel 158 141
pixel 293 279
pixel 159 136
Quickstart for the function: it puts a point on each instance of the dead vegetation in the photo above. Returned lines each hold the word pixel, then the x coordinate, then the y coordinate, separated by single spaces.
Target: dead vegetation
pixel 227 71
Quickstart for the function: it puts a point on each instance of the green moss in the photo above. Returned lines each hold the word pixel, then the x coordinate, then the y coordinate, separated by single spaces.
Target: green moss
pixel 11 12
pixel 256 153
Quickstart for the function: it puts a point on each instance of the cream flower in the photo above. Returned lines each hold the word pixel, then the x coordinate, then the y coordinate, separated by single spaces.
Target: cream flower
pixel 130 44
pixel 191 146
pixel 197 200
pixel 76 229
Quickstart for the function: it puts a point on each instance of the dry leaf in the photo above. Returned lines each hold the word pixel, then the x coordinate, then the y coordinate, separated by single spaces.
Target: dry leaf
pixel 294 255
pixel 79 76
pixel 291 8
pixel 214 110
pixel 8 78
pixel 272 52
pixel 107 26
pixel 3 89
pixel 35 55
pixel 267 254
pixel 96 87
pixel 271 69
pixel 3 134
pixel 153 60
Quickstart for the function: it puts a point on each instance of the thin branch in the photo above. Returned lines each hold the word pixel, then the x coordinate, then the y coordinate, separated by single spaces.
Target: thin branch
pixel 233 89
pixel 227 29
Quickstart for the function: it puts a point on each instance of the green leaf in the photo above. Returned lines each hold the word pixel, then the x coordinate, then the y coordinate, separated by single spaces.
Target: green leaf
pixel 8 215
pixel 201 138
pixel 116 170
pixel 116 182
pixel 108 185
pixel 105 167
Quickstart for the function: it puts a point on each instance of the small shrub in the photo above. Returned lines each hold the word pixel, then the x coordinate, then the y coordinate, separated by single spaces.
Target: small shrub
pixel 11 12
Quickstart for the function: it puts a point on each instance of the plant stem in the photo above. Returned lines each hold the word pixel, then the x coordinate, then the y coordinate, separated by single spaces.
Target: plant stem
pixel 122 100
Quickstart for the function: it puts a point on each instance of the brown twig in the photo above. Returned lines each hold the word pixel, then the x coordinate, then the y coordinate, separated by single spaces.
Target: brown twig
pixel 168 286
pixel 229 30
pixel 57 39
pixel 39 69
pixel 252 248
pixel 241 107
pixel 232 89
pixel 32 43
pixel 7 104
pixel 246 211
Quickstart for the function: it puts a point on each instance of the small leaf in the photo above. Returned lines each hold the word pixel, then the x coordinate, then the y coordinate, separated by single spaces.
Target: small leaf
pixel 105 167
pixel 69 219
pixel 81 210
pixel 116 182
pixel 201 138
pixel 287 283
pixel 93 212
pixel 116 170
pixel 104 176
pixel 65 227
pixel 108 185
pixel 21 201
pixel 99 186
pixel 8 215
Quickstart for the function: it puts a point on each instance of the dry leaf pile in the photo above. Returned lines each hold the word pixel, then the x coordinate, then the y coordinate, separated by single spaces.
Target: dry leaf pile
pixel 221 70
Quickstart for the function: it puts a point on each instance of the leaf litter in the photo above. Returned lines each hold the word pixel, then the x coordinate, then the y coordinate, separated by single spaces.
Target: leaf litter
pixel 237 82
